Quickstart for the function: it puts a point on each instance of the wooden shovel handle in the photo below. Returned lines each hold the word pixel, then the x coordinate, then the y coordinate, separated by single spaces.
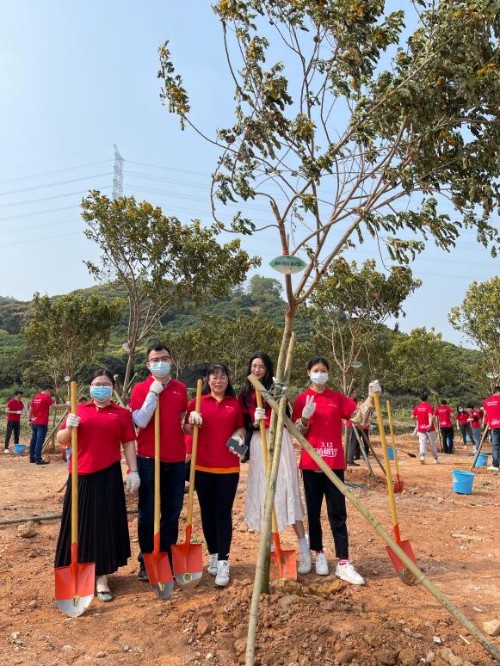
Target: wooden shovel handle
pixel 390 485
pixel 156 501
pixel 393 441
pixel 74 467
pixel 197 406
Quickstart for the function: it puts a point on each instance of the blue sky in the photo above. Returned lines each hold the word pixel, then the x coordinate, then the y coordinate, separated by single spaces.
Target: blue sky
pixel 76 78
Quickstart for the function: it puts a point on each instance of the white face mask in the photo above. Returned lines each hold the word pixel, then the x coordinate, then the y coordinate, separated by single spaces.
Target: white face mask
pixel 319 378
pixel 160 368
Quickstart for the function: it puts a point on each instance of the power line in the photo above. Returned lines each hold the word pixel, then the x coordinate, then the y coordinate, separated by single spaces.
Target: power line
pixel 57 196
pixel 61 182
pixel 50 173
pixel 38 212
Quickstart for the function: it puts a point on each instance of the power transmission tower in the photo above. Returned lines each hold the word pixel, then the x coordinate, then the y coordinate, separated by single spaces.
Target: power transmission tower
pixel 118 174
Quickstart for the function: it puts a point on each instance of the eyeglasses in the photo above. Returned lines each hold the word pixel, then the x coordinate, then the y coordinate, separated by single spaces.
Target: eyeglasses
pixel 108 384
pixel 165 359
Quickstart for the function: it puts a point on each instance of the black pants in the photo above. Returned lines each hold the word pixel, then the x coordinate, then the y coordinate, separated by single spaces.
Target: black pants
pixel 317 486
pixel 13 427
pixel 466 429
pixel 353 448
pixel 216 493
pixel 447 436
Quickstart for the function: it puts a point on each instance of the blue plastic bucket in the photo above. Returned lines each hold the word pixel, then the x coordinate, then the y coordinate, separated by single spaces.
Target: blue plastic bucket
pixel 19 449
pixel 68 454
pixel 390 452
pixel 482 460
pixel 462 481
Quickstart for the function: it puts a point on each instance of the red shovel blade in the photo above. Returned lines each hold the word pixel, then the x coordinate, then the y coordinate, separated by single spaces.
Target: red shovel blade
pixel 283 562
pixel 406 576
pixel 398 484
pixel 159 573
pixel 187 560
pixel 74 588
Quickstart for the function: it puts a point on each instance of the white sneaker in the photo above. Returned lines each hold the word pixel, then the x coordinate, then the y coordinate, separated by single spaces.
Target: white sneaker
pixel 492 468
pixel 322 565
pixel 304 565
pixel 212 565
pixel 222 578
pixel 436 461
pixel 348 573
pixel 422 460
pixel 474 450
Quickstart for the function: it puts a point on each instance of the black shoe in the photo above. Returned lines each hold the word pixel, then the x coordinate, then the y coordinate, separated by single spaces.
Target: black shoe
pixel 352 464
pixel 143 574
pixel 43 462
pixel 32 461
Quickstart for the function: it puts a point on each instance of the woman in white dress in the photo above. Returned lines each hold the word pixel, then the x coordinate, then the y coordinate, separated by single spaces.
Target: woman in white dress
pixel 287 501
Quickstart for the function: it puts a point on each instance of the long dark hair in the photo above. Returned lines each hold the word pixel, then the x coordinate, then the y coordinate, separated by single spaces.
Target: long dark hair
pixel 267 380
pixel 212 369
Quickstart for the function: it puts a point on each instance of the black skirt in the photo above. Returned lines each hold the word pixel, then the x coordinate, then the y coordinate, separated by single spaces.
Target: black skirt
pixel 103 535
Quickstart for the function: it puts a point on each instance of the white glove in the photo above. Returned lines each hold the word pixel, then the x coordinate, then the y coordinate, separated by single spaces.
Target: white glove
pixel 309 407
pixel 156 387
pixel 72 421
pixel 260 415
pixel 133 482
pixel 374 387
pixel 20 412
pixel 195 418
pixel 68 404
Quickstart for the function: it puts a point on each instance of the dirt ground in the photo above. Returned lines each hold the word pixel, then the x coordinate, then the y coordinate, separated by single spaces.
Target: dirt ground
pixel 318 620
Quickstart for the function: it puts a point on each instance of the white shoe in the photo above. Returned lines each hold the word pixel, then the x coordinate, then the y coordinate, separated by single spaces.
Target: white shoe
pixel 474 450
pixel 436 461
pixel 348 573
pixel 6 451
pixel 304 565
pixel 492 468
pixel 222 578
pixel 322 565
pixel 422 460
pixel 212 565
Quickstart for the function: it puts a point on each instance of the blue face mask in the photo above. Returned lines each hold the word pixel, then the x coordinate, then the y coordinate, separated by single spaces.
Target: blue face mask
pixel 101 393
pixel 160 368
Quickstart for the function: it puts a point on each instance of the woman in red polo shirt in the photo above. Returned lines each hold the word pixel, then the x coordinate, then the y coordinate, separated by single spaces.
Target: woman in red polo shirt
pixel 217 467
pixel 318 413
pixel 103 428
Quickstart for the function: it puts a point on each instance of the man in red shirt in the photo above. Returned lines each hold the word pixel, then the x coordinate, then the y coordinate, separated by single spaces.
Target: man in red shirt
pixel 14 409
pixel 172 396
pixel 38 419
pixel 492 420
pixel 475 418
pixel 444 415
pixel 424 413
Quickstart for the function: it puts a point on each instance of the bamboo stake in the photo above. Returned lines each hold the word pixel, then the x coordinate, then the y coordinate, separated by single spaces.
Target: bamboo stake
pixel 375 523
pixel 37 519
pixel 265 540
pixel 361 443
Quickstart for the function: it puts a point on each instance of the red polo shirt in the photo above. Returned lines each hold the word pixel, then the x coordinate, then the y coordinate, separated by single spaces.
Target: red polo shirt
pixel 173 404
pixel 476 415
pixel 463 417
pixel 444 414
pixel 325 426
pixel 15 406
pixel 492 408
pixel 220 421
pixel 422 411
pixel 100 434
pixel 40 408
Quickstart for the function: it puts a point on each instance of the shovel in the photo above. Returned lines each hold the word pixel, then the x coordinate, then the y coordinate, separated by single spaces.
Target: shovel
pixel 187 557
pixel 283 562
pixel 398 482
pixel 157 564
pixel 405 574
pixel 75 583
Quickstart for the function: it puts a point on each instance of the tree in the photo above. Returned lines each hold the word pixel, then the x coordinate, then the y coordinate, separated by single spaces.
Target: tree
pixel 419 362
pixel 349 306
pixel 345 130
pixel 65 334
pixel 265 288
pixel 478 317
pixel 158 262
